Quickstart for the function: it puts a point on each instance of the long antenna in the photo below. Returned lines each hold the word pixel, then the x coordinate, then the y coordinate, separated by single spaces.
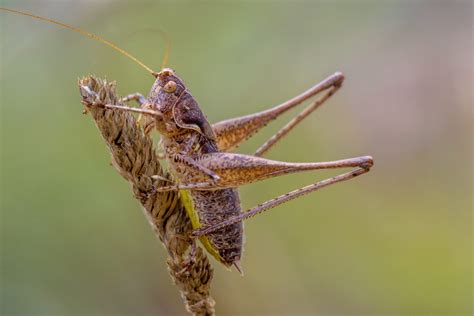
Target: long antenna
pixel 167 48
pixel 95 37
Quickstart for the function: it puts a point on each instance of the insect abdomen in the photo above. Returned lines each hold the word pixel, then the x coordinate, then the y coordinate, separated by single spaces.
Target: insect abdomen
pixel 214 207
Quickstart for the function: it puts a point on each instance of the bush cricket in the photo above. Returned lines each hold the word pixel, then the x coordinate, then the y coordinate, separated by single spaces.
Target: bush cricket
pixel 205 171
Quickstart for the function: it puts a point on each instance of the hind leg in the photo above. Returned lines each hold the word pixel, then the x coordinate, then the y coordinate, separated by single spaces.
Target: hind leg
pixel 231 133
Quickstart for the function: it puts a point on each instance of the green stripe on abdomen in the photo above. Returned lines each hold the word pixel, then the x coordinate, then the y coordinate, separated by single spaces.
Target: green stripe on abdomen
pixel 194 217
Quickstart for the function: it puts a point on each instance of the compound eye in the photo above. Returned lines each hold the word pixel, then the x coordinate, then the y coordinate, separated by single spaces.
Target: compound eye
pixel 170 87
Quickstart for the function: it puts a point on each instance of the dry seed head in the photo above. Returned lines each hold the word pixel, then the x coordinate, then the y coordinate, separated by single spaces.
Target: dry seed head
pixel 135 158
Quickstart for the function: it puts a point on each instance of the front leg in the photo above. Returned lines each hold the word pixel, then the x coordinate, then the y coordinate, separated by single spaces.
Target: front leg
pixel 147 122
pixel 138 97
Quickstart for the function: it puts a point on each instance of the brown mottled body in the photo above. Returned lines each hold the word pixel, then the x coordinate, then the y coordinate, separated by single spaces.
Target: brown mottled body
pixel 186 137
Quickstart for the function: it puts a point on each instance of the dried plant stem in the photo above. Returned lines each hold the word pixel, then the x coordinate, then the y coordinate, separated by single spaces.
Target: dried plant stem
pixel 135 158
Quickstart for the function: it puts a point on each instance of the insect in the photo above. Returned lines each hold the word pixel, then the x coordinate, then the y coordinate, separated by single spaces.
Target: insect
pixel 205 170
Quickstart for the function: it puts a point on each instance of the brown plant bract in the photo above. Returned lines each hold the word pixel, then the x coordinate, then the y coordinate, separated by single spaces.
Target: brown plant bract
pixel 134 156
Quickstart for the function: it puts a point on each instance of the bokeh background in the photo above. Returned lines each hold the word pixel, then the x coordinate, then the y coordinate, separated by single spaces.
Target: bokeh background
pixel 397 241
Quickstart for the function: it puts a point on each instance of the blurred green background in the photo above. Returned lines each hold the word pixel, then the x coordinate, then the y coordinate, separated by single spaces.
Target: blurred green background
pixel 397 241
